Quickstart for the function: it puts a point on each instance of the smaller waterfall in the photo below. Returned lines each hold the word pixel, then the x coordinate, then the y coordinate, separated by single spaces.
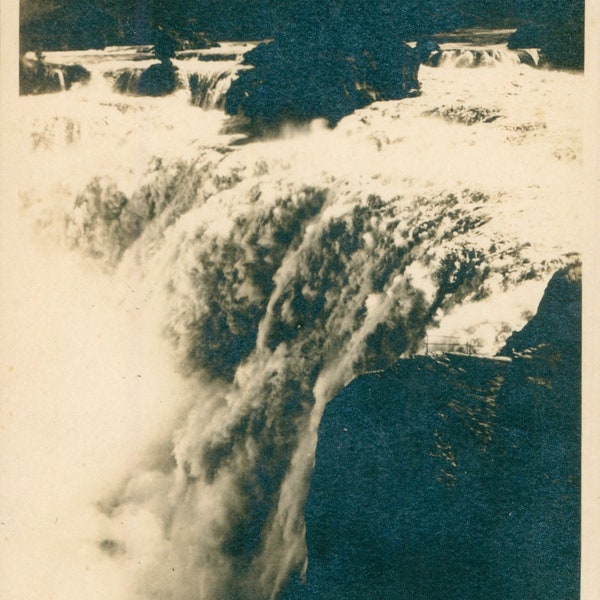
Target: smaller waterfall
pixel 61 79
pixel 206 74
pixel 208 89
pixel 482 57
pixel 207 82
pixel 124 81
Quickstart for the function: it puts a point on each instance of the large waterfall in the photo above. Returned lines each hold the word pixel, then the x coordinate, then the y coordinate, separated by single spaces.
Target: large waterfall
pixel 185 302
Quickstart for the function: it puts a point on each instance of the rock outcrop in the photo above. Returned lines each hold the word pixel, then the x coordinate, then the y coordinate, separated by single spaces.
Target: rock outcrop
pixel 39 77
pixel 455 477
pixel 299 82
pixel 158 80
pixel 556 327
pixel 558 32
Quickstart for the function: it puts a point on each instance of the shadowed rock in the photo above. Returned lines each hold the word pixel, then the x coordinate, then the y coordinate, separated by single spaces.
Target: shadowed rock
pixel 158 80
pixel 39 77
pixel 455 477
pixel 559 34
pixel 317 70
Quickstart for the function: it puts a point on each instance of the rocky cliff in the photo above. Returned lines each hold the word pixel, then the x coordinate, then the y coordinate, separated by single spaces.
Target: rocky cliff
pixel 453 476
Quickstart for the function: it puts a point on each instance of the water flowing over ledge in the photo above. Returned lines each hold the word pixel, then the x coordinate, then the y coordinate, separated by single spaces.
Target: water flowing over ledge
pixel 276 270
pixel 444 476
pixel 207 74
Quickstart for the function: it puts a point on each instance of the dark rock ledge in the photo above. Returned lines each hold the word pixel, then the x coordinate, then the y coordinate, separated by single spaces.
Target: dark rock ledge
pixel 455 477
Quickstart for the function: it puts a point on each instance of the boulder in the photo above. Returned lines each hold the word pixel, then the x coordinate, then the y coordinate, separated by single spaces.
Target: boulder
pixel 453 476
pixel 425 48
pixel 39 77
pixel 560 46
pixel 559 34
pixel 158 80
pixel 75 74
pixel 564 46
pixel 558 318
pixel 298 83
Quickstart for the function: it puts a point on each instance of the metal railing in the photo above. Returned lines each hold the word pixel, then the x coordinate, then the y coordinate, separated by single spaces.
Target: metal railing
pixel 447 343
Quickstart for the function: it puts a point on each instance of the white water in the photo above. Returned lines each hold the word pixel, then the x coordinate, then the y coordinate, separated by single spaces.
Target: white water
pixel 120 67
pixel 178 310
pixel 468 57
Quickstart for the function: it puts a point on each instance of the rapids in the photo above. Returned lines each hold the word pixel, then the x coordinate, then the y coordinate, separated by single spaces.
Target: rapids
pixel 187 301
pixel 205 75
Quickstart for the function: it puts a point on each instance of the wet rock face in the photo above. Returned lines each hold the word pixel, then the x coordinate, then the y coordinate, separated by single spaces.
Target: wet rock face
pixel 556 327
pixel 561 46
pixel 158 80
pixel 300 82
pixel 559 33
pixel 40 77
pixel 455 476
pixel 425 48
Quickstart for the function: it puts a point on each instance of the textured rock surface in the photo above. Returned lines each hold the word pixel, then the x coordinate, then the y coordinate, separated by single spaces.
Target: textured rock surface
pixel 455 476
pixel 558 30
pixel 158 80
pixel 39 77
pixel 298 82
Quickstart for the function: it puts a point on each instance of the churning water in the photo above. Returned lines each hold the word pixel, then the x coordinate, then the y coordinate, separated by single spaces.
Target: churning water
pixel 179 307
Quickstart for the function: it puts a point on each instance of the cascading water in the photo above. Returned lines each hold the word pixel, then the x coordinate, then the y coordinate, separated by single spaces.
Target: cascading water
pixel 61 80
pixel 482 57
pixel 209 87
pixel 228 292
pixel 206 82
pixel 205 74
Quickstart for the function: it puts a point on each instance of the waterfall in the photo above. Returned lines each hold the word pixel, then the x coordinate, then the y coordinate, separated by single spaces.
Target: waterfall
pixel 206 82
pixel 484 57
pixel 241 286
pixel 61 79
pixel 125 81
pixel 208 87
pixel 205 74
pixel 278 295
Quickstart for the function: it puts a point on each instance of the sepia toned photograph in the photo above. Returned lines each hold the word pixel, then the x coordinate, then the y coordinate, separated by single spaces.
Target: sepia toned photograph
pixel 291 299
